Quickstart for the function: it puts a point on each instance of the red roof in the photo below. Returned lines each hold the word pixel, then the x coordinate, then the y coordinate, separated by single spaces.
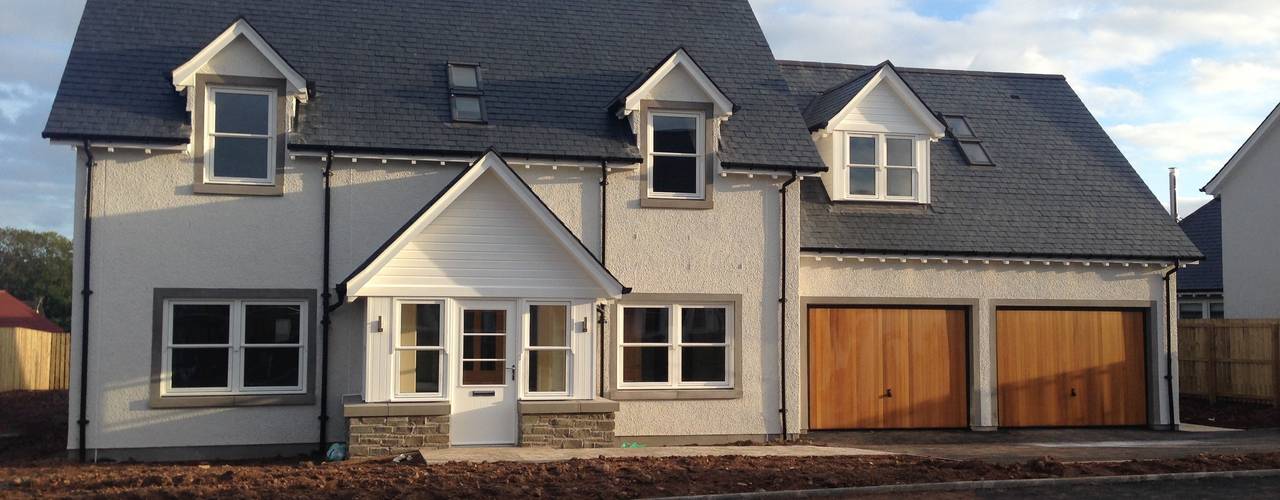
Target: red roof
pixel 14 312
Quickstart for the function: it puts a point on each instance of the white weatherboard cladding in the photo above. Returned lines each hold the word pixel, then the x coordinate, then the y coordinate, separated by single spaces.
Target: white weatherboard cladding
pixel 882 110
pixel 240 58
pixel 485 244
pixel 1250 276
pixel 988 284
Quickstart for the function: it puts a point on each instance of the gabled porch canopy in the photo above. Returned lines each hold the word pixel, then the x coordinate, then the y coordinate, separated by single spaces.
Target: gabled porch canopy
pixel 486 234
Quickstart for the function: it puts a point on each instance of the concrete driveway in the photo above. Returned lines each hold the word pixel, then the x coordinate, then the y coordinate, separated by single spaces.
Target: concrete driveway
pixel 1067 445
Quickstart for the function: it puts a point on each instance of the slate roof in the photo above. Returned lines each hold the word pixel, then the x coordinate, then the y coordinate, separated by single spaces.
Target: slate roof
pixel 1204 227
pixel 1060 186
pixel 550 69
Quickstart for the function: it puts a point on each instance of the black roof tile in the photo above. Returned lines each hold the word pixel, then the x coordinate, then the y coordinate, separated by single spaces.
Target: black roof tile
pixel 1204 227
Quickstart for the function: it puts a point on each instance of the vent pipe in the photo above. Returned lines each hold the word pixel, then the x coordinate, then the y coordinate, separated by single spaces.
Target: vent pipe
pixel 1173 193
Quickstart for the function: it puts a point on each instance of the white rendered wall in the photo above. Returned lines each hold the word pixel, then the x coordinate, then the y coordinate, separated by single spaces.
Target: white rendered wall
pixel 1250 243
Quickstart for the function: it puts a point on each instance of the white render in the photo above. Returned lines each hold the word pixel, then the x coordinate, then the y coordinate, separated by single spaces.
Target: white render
pixel 830 281
pixel 1247 187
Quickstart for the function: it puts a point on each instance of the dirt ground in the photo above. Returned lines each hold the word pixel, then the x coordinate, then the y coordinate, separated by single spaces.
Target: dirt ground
pixel 1229 414
pixel 32 426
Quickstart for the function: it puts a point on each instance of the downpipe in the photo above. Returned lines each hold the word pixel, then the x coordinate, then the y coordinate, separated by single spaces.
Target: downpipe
pixel 85 292
pixel 326 309
pixel 1168 341
pixel 782 304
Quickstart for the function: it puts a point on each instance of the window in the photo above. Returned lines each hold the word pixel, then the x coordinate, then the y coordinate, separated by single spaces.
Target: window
pixel 234 347
pixel 419 349
pixel 1190 310
pixel 240 135
pixel 883 167
pixel 547 349
pixel 484 346
pixel 676 153
pixel 466 98
pixel 1217 310
pixel 970 146
pixel 679 346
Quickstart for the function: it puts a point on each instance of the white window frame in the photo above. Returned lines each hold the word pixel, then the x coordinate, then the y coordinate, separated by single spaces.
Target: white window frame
pixel 211 133
pixel 675 342
pixel 235 349
pixel 526 348
pixel 919 158
pixel 699 157
pixel 442 394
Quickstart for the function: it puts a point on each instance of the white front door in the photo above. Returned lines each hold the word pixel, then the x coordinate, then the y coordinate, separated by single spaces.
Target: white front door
pixel 484 402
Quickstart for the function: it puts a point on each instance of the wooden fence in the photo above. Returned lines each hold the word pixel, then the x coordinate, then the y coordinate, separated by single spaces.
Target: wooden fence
pixel 1236 359
pixel 32 360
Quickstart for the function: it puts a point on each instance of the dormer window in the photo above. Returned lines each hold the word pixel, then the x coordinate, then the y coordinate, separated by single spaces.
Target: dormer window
pixel 240 135
pixel 970 146
pixel 883 167
pixel 466 98
pixel 676 152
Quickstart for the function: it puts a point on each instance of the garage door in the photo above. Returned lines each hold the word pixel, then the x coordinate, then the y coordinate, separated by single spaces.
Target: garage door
pixel 887 368
pixel 1071 367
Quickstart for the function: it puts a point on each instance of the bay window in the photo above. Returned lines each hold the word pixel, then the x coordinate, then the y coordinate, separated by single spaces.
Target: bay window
pixel 419 349
pixel 676 346
pixel 547 349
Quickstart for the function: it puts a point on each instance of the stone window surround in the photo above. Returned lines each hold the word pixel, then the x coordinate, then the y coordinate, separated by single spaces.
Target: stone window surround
pixel 199 186
pixel 612 391
pixel 160 295
pixel 708 159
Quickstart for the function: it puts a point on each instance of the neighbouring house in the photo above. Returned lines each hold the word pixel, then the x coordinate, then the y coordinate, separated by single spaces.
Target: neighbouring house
pixel 578 223
pixel 34 352
pixel 1245 189
pixel 1200 286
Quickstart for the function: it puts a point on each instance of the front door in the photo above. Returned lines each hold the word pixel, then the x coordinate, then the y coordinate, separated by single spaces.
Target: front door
pixel 484 402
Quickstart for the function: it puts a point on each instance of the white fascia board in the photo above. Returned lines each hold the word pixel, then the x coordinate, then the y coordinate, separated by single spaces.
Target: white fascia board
pixel 679 58
pixel 1214 187
pixel 887 76
pixel 184 76
pixel 489 162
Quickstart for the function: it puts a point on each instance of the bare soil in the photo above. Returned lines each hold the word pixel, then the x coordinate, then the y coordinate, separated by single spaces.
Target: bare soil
pixel 1230 414
pixel 33 425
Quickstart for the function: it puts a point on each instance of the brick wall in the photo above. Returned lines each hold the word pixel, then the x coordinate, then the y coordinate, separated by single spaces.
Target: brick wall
pixel 567 430
pixel 376 436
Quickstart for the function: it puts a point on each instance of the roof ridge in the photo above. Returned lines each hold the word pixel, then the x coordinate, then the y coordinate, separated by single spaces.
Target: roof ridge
pixel 907 69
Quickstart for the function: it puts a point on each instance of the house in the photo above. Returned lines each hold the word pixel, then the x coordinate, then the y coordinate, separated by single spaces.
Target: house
pixel 576 223
pixel 1200 286
pixel 1244 189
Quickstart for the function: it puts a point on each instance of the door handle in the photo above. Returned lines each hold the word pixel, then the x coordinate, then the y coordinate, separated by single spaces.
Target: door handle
pixel 888 393
pixel 1073 392
pixel 513 372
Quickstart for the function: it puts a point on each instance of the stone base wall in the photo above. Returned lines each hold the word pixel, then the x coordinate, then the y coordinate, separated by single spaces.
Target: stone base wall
pixel 567 430
pixel 377 436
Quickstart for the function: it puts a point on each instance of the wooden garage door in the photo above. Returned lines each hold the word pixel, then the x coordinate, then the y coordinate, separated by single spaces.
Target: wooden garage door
pixel 1071 367
pixel 887 368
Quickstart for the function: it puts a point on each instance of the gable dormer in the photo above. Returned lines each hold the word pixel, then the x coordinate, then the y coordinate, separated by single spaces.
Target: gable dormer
pixel 874 133
pixel 241 94
pixel 675 111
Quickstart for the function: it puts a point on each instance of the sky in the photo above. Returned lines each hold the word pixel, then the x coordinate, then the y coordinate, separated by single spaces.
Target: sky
pixel 1176 83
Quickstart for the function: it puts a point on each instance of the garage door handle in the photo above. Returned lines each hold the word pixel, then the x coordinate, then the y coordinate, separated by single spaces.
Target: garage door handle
pixel 1073 392
pixel 888 393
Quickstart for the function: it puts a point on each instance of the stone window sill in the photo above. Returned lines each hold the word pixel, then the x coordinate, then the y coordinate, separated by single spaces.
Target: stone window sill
pixel 673 394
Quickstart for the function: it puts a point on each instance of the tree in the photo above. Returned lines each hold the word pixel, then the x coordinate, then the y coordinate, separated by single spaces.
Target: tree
pixel 36 267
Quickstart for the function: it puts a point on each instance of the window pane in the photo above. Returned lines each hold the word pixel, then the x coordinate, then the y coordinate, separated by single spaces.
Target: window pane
pixel 484 347
pixel 201 323
pixel 482 372
pixel 900 152
pixel 644 325
pixel 419 371
pixel 975 153
pixel 271 367
pixel 272 324
pixel 1217 310
pixel 644 364
pixel 484 321
pixel 463 77
pixel 467 108
pixel 244 157
pixel 862 180
pixel 675 134
pixel 900 181
pixel 202 367
pixel 702 364
pixel 548 370
pixel 862 150
pixel 1190 310
pixel 704 325
pixel 959 127
pixel 675 174
pixel 548 325
pixel 419 325
pixel 241 113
